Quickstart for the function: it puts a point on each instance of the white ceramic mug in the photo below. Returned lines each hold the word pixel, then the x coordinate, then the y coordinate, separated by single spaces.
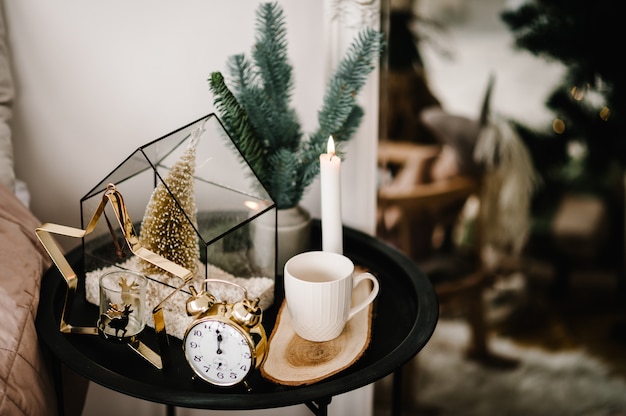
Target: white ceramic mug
pixel 318 291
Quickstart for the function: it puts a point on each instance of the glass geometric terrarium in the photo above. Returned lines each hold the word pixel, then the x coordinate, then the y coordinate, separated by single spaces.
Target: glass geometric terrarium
pixel 190 191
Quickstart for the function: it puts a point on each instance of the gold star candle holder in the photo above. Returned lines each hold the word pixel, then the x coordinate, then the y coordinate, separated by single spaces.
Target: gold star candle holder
pixel 114 198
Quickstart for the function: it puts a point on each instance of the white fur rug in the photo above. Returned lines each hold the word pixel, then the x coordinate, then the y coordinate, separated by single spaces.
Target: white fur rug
pixel 544 383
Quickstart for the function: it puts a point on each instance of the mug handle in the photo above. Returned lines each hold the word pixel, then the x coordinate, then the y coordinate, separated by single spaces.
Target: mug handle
pixel 370 298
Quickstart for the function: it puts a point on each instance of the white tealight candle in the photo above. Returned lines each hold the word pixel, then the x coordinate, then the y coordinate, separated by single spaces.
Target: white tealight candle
pixel 330 175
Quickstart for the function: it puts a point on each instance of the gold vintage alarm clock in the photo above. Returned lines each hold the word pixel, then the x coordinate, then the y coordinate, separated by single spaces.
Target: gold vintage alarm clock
pixel 225 341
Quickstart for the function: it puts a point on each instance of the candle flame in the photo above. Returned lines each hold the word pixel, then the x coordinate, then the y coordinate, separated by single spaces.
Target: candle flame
pixel 330 147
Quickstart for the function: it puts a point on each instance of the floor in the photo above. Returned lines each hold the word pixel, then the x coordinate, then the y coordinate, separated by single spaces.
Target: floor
pixel 590 314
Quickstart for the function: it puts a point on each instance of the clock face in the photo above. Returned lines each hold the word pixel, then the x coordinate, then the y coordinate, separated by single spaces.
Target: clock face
pixel 218 352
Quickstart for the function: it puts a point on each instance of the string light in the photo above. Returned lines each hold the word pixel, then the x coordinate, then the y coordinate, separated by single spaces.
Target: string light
pixel 558 126
pixel 605 113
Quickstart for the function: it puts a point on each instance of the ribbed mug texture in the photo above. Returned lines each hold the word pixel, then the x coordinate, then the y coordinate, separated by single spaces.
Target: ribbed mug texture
pixel 318 290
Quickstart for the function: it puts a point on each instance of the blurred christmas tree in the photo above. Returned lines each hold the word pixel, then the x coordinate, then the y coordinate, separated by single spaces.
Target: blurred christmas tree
pixel 584 151
pixel 589 104
pixel 170 220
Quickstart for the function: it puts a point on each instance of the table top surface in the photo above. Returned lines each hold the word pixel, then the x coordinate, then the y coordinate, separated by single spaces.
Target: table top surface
pixel 404 317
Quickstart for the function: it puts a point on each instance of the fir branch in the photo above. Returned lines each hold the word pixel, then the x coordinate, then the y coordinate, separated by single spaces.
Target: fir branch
pixel 237 124
pixel 244 80
pixel 259 109
pixel 270 56
pixel 351 75
pixel 340 115
pixel 276 122
pixel 317 144
pixel 284 181
pixel 355 68
pixel 350 125
pixel 338 103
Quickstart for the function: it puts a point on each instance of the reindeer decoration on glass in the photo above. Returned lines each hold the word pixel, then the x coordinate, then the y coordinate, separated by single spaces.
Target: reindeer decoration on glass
pixel 116 318
pixel 122 305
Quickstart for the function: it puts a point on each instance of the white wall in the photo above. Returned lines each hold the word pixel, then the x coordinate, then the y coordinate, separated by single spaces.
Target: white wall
pixel 97 79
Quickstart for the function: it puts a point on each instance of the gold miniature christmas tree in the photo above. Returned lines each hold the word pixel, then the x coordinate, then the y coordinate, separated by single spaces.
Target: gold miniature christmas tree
pixel 170 220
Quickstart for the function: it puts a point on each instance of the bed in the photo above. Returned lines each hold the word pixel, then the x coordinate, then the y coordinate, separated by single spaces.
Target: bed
pixel 26 378
pixel 26 384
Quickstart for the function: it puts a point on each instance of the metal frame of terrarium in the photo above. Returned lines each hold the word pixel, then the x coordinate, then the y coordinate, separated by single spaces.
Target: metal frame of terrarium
pixel 231 206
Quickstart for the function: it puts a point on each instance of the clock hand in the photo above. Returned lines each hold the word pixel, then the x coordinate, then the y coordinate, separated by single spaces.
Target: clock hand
pixel 219 341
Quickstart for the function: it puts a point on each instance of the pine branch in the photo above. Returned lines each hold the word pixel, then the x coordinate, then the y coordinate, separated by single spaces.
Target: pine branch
pixel 344 86
pixel 340 115
pixel 309 154
pixel 237 124
pixel 283 180
pixel 276 122
pixel 351 124
pixel 270 56
pixel 259 111
pixel 358 63
pixel 244 80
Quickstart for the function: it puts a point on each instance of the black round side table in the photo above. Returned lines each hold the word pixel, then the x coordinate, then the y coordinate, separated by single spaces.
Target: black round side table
pixel 405 314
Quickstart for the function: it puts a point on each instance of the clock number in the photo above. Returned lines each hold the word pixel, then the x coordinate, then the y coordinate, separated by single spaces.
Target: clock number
pixel 247 354
pixel 193 344
pixel 197 333
pixel 220 375
pixel 197 358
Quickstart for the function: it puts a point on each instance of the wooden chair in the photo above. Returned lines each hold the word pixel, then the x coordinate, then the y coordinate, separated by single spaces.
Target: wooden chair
pixel 408 201
pixel 409 213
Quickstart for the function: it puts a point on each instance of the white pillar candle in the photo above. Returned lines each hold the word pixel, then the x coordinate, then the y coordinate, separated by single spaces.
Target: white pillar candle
pixel 330 176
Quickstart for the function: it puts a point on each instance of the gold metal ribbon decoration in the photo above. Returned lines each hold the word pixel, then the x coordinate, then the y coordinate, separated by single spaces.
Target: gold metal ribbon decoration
pixel 112 196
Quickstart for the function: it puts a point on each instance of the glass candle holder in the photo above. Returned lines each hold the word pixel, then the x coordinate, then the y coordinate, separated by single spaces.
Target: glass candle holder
pixel 122 305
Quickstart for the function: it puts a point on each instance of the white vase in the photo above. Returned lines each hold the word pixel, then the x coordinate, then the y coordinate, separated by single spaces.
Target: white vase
pixel 293 231
pixel 294 234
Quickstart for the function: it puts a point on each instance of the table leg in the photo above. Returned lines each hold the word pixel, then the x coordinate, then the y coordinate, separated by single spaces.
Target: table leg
pixel 396 393
pixel 319 407
pixel 57 377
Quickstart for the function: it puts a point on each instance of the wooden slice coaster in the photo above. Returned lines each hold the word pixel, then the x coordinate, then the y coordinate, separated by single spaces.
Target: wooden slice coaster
pixel 294 361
